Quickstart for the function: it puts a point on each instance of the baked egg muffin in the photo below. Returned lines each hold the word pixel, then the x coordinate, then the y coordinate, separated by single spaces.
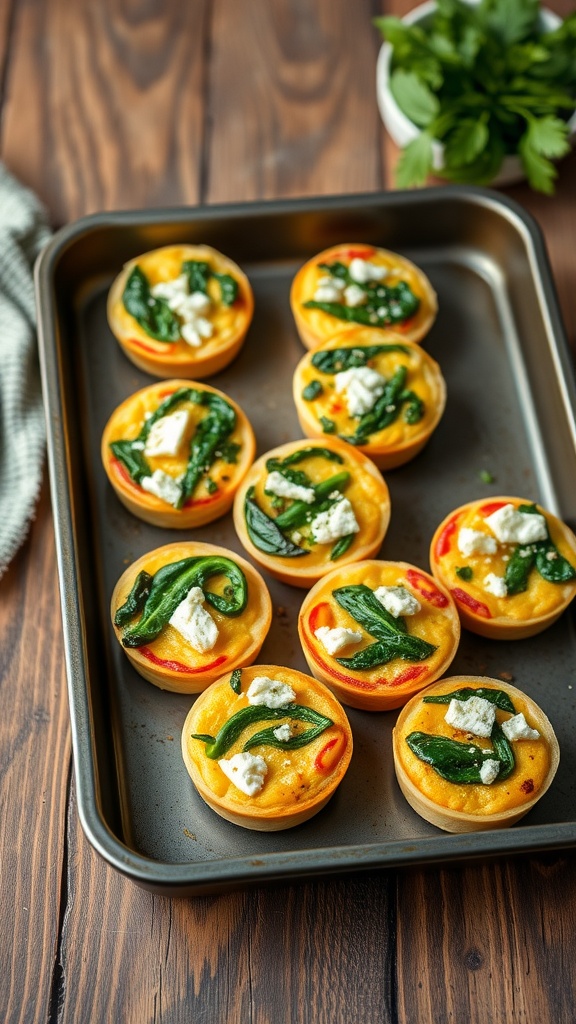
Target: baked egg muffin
pixel 185 613
pixel 304 508
pixel 376 632
pixel 182 310
pixel 266 747
pixel 176 452
pixel 472 753
pixel 509 565
pixel 355 284
pixel 385 397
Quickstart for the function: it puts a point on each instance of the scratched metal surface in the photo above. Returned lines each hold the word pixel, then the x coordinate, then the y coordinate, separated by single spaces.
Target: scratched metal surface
pixel 510 410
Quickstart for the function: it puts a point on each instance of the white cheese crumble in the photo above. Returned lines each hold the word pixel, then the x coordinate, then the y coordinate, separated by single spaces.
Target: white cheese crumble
pixel 173 292
pixel 189 307
pixel 513 527
pixel 167 434
pixel 475 715
pixel 162 486
pixel 397 601
pixel 361 386
pixel 329 289
pixel 354 295
pixel 475 542
pixel 496 585
pixel 283 732
pixel 247 771
pixel 333 640
pixel 194 622
pixel 277 484
pixel 363 271
pixel 489 770
pixel 272 693
pixel 338 521
pixel 517 728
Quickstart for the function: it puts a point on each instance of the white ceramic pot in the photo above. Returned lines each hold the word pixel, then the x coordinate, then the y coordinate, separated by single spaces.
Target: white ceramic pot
pixel 403 130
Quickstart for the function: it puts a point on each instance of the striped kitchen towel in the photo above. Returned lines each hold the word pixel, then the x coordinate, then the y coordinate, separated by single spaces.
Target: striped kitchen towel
pixel 23 232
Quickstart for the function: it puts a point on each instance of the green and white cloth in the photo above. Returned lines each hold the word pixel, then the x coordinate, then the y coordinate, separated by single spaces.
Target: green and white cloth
pixel 23 232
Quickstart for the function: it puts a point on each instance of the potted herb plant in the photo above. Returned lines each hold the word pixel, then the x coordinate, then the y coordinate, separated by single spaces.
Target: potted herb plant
pixel 479 92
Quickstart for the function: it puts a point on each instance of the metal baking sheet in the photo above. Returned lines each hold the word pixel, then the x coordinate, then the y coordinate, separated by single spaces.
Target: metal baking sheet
pixel 510 411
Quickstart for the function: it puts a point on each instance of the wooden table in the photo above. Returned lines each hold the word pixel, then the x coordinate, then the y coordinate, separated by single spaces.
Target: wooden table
pixel 107 105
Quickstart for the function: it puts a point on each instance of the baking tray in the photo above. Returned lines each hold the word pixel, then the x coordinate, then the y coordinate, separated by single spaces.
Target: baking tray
pixel 510 411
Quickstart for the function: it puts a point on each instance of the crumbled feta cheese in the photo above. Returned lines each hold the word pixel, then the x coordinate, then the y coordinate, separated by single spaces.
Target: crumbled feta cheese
pixel 331 291
pixel 474 542
pixel 199 303
pixel 489 770
pixel 517 728
pixel 333 640
pixel 362 387
pixel 513 527
pixel 475 715
pixel 283 732
pixel 397 601
pixel 190 335
pixel 338 521
pixel 194 622
pixel 354 295
pixel 363 271
pixel 335 282
pixel 272 693
pixel 173 292
pixel 247 771
pixel 277 484
pixel 167 434
pixel 496 585
pixel 551 556
pixel 163 486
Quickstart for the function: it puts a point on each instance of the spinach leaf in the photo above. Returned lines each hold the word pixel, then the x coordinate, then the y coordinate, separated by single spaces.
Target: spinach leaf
pixel 498 697
pixel 132 458
pixel 236 680
pixel 171 584
pixel 300 512
pixel 384 306
pixel 392 635
pixel 211 433
pixel 454 761
pixel 228 288
pixel 265 534
pixel 198 274
pixel 385 410
pixel 312 390
pixel 334 360
pixel 152 314
pixel 136 599
pixel 267 738
pixel 341 546
pixel 233 728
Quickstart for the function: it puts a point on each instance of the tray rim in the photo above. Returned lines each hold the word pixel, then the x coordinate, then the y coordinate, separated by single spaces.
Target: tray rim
pixel 199 877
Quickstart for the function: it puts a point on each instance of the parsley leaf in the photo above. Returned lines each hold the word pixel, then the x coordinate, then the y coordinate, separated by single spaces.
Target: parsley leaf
pixel 414 97
pixel 415 162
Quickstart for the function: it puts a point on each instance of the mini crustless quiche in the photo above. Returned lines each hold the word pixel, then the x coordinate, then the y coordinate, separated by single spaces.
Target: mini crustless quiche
pixel 185 613
pixel 377 632
pixel 350 285
pixel 266 747
pixel 175 453
pixel 509 565
pixel 305 508
pixel 384 397
pixel 182 310
pixel 472 753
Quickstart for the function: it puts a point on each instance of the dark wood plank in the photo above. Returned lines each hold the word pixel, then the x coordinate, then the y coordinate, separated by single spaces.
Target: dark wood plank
pixel 292 103
pixel 104 105
pixel 34 771
pixel 488 945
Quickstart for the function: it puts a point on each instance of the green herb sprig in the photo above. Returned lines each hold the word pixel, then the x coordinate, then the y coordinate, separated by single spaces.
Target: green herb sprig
pixel 486 81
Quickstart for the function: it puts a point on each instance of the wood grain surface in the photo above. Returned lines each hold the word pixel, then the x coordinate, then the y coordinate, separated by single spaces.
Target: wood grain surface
pixel 130 103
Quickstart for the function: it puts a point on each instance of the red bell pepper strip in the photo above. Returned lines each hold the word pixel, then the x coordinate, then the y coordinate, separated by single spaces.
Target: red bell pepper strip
pixel 427 589
pixel 492 506
pixel 177 666
pixel 442 546
pixel 168 348
pixel 321 615
pixel 414 672
pixel 353 254
pixel 324 763
pixel 470 602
